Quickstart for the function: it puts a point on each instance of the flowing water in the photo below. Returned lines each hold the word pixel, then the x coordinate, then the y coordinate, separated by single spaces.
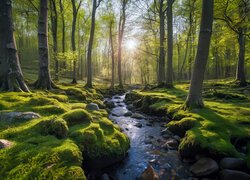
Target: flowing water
pixel 146 147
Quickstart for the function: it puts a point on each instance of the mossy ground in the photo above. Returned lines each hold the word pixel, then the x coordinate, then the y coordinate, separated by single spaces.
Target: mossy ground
pixel 214 128
pixel 53 146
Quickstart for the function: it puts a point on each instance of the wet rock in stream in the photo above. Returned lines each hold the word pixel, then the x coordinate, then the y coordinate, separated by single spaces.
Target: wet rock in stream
pixel 149 174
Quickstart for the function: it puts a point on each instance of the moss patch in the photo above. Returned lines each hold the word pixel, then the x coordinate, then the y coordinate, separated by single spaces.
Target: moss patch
pixel 77 116
pixel 57 127
pixel 209 130
pixel 53 145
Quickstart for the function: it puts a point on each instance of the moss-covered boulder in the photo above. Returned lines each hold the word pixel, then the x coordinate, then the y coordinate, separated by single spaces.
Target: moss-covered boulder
pixel 76 93
pixel 56 127
pixel 180 127
pixel 77 116
pixel 102 143
pixel 51 109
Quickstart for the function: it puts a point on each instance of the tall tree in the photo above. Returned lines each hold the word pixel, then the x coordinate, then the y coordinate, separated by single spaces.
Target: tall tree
pixel 236 15
pixel 162 14
pixel 121 27
pixel 91 41
pixel 169 74
pixel 11 77
pixel 63 24
pixel 44 79
pixel 53 16
pixel 194 98
pixel 112 51
pixel 73 31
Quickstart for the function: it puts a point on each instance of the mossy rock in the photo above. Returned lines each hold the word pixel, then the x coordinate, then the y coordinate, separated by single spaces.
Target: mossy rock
pixel 199 141
pixel 107 126
pixel 50 109
pixel 180 127
pixel 100 104
pixel 55 127
pixel 132 96
pixel 77 116
pixel 77 93
pixel 41 101
pixel 60 98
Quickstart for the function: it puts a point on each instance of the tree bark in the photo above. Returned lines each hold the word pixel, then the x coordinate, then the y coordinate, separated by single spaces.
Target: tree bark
pixel 54 35
pixel 112 55
pixel 194 98
pixel 161 65
pixel 73 43
pixel 169 75
pixel 11 77
pixel 44 79
pixel 240 73
pixel 120 38
pixel 91 41
pixel 63 25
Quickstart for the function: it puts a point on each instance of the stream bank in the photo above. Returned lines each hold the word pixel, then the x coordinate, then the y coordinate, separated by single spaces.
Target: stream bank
pixel 150 144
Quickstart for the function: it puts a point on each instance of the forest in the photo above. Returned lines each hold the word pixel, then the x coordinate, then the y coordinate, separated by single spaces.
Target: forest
pixel 125 89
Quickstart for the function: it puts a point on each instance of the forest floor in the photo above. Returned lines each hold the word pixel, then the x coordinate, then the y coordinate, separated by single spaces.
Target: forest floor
pixel 63 131
pixel 47 134
pixel 220 129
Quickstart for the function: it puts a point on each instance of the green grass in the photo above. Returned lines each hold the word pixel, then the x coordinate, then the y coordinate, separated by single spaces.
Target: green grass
pixel 55 144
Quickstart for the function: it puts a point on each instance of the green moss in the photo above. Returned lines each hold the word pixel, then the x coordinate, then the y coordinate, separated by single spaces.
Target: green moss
pixel 210 129
pixel 60 98
pixel 41 101
pixel 77 116
pixel 56 127
pixel 50 109
pixel 107 126
pixel 180 127
pixel 77 93
pixel 46 148
pixel 78 105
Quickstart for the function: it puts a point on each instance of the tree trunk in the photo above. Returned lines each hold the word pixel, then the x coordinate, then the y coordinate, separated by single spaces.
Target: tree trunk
pixel 44 79
pixel 11 77
pixel 112 55
pixel 169 75
pixel 63 25
pixel 73 43
pixel 161 65
pixel 54 35
pixel 240 73
pixel 91 40
pixel 194 98
pixel 120 38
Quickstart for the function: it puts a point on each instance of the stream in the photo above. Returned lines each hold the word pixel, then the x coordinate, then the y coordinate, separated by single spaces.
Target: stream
pixel 147 146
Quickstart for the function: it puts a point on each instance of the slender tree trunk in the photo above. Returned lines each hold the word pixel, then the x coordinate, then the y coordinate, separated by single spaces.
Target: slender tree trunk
pixel 44 79
pixel 73 43
pixel 91 41
pixel 63 25
pixel 194 98
pixel 169 75
pixel 11 77
pixel 161 65
pixel 240 73
pixel 227 63
pixel 120 38
pixel 54 35
pixel 112 55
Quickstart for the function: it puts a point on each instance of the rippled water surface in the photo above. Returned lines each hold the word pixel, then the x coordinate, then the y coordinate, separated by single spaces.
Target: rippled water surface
pixel 146 142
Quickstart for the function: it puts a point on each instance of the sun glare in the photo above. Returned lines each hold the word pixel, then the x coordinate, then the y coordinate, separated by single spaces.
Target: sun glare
pixel 131 44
